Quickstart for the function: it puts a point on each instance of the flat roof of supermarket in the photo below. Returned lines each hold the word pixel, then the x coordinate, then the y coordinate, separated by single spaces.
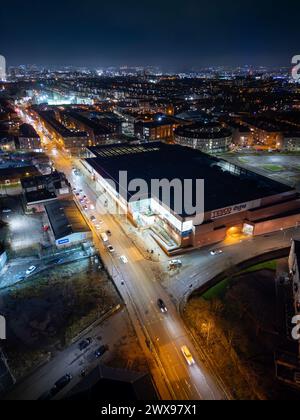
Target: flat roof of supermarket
pixel 225 184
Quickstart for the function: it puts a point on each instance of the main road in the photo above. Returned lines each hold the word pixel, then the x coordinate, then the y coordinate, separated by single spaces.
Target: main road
pixel 161 335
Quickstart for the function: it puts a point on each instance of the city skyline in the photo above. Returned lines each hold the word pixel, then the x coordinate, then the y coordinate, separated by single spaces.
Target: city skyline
pixel 172 35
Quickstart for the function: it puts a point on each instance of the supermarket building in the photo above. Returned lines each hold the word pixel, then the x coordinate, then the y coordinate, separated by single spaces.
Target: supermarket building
pixel 237 202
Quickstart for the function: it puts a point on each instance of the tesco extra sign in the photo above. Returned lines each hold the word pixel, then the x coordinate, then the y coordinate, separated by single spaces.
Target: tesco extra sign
pixel 216 214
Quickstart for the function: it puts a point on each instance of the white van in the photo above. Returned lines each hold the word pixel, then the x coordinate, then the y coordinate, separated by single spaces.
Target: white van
pixel 104 237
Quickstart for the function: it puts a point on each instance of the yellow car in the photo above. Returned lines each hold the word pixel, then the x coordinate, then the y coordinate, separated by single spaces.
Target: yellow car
pixel 188 356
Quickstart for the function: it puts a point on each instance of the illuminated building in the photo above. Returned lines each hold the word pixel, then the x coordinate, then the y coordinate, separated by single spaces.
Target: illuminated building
pixel 210 138
pixel 237 202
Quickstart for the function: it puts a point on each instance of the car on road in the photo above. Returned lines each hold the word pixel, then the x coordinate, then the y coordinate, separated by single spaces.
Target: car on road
pixel 174 264
pixel 124 259
pixel 162 306
pixel 31 270
pixel 101 351
pixel 216 252
pixel 104 237
pixel 187 355
pixel 98 227
pixel 111 249
pixel 61 384
pixel 6 211
pixel 84 344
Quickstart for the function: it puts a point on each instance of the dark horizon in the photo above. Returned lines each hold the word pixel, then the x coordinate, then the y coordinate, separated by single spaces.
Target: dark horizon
pixel 170 34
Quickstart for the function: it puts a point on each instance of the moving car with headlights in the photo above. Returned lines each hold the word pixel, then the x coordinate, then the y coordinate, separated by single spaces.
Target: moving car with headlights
pixel 216 252
pixel 162 306
pixel 188 355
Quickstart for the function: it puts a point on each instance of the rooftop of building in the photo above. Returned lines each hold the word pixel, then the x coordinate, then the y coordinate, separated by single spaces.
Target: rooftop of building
pixel 18 172
pixel 34 181
pixel 159 121
pixel 39 196
pixel 49 117
pixel 93 124
pixel 225 183
pixel 203 131
pixel 65 218
pixel 27 131
pixel 104 381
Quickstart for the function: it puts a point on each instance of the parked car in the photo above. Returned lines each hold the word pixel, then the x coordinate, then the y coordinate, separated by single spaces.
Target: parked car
pixel 111 249
pixel 104 237
pixel 61 384
pixel 108 233
pixel 31 270
pixel 124 259
pixel 84 344
pixel 101 351
pixel 93 218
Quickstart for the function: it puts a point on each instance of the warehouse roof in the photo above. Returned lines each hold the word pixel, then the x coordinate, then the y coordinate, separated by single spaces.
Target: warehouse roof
pixel 65 218
pixel 225 184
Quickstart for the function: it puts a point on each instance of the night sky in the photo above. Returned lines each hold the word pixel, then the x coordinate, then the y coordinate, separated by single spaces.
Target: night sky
pixel 173 34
